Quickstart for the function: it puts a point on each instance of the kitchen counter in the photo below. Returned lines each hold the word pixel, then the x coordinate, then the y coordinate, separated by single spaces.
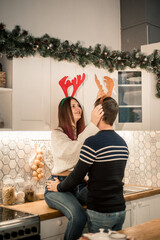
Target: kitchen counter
pixel 145 231
pixel 40 207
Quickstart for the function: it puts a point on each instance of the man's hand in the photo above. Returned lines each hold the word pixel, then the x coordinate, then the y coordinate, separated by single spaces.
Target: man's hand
pixel 52 185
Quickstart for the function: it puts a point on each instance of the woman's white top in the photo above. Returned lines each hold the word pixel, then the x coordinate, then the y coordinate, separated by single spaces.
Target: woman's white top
pixel 66 151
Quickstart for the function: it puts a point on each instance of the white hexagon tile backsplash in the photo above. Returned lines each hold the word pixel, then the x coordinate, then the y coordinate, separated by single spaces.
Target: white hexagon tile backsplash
pixel 143 166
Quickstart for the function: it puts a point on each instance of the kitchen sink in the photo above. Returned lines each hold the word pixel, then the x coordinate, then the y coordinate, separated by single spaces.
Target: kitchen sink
pixel 134 189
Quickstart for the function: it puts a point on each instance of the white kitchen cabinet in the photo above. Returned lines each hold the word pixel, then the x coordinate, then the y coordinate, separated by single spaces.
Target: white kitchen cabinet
pixel 152 101
pixel 142 210
pixel 59 237
pixel 128 220
pixel 137 212
pixel 6 108
pixel 29 105
pixel 6 97
pixel 33 93
pixel 53 228
pixel 132 88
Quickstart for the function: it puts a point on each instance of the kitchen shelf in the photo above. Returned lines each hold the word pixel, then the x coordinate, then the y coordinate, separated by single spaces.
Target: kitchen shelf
pixel 5 89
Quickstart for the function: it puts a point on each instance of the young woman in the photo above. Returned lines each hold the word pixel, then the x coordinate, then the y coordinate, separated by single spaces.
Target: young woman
pixel 67 140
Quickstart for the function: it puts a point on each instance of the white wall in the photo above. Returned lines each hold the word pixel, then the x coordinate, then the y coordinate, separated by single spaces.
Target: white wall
pixel 89 21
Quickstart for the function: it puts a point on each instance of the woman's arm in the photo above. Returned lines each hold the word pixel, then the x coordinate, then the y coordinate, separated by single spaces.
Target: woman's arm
pixel 62 145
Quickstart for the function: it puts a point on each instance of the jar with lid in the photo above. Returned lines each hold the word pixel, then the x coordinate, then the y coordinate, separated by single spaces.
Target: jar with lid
pixel 8 191
pixel 19 186
pixel 29 191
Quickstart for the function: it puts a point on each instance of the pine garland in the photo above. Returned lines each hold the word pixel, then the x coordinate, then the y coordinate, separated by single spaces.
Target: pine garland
pixel 19 43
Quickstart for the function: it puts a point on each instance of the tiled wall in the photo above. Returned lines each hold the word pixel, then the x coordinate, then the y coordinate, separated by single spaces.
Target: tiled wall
pixel 143 167
pixel 17 148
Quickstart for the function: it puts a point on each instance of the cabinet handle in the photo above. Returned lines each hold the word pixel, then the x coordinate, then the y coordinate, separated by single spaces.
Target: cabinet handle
pixel 140 204
pixel 59 222
pixel 134 205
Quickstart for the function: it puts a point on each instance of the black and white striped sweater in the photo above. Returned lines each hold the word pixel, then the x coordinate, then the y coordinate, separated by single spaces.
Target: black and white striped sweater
pixel 103 156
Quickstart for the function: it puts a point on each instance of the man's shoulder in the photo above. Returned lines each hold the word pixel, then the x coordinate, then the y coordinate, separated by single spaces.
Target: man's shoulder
pixel 91 140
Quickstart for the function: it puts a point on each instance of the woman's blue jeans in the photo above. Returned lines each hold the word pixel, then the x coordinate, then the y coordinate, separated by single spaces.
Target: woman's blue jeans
pixel 69 203
pixel 112 221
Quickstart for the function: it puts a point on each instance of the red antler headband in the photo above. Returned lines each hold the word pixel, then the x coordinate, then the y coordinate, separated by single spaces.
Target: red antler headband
pixel 75 82
pixel 109 85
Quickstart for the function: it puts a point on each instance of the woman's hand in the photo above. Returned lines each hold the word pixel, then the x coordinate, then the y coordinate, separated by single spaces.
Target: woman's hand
pixel 97 113
pixel 98 95
pixel 52 185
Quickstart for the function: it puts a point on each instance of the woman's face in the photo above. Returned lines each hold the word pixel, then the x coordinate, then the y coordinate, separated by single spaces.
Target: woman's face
pixel 76 110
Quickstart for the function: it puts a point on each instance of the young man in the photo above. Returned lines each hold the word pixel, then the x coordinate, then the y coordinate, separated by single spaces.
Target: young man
pixel 103 156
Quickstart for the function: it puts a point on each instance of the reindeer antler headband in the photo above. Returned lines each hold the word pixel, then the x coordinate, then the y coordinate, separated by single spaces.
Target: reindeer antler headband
pixel 75 82
pixel 109 85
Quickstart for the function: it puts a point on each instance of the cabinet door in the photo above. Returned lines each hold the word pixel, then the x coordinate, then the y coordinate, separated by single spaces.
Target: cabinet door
pixel 133 100
pixel 154 101
pixel 31 93
pixel 58 237
pixel 155 209
pixel 143 211
pixel 53 228
pixel 128 220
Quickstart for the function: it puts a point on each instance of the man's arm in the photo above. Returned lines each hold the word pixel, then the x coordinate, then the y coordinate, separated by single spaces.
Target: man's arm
pixel 87 156
pixel 74 178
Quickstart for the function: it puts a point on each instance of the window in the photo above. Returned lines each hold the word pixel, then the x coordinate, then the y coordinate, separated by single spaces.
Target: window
pixel 130 96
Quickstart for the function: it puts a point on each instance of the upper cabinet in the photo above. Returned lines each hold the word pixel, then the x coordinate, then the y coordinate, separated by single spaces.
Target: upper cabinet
pixel 32 94
pixel 132 90
pixel 28 107
pixel 150 98
pixel 6 90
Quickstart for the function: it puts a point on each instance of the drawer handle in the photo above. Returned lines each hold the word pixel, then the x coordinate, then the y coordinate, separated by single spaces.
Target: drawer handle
pixel 59 222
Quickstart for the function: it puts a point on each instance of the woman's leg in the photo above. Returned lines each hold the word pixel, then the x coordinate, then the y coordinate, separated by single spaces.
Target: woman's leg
pixel 67 203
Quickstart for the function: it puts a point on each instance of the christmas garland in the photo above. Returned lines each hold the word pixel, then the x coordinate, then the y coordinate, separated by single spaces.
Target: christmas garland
pixel 19 43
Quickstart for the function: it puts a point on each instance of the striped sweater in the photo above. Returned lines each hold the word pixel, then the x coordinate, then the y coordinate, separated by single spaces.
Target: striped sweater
pixel 103 156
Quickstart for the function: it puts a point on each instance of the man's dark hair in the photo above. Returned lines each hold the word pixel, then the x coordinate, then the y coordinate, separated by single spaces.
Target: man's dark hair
pixel 110 108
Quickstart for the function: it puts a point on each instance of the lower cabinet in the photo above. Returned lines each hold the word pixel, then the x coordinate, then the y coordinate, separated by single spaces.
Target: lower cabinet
pixel 142 210
pixel 53 229
pixel 137 212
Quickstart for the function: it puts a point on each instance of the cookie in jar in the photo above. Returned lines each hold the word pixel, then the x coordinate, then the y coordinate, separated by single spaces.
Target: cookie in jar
pixel 8 191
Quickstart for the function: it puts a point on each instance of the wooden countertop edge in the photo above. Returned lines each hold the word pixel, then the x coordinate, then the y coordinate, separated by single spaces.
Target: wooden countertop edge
pixel 41 208
pixel 139 195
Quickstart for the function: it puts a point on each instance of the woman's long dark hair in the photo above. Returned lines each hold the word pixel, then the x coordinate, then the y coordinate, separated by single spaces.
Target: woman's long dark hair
pixel 66 118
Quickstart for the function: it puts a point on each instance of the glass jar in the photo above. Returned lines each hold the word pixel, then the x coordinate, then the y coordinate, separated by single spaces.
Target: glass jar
pixel 29 191
pixel 0 192
pixel 40 193
pixel 1 122
pixel 8 191
pixel 19 186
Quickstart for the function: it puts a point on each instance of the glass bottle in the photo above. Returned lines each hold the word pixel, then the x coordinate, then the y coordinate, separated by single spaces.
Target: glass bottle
pixel 19 186
pixel 8 191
